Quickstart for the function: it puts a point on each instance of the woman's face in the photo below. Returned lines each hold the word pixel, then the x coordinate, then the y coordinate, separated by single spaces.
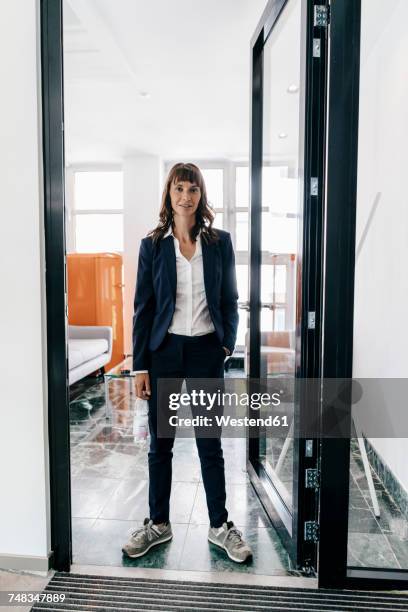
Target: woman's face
pixel 185 198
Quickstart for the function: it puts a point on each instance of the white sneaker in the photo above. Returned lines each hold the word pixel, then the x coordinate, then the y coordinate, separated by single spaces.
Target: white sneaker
pixel 230 539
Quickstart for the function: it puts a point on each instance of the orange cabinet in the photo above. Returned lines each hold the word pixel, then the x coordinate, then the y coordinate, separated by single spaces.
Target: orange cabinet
pixel 95 295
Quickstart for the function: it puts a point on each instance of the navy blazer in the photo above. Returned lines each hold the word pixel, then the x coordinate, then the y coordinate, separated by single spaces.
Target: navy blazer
pixel 155 295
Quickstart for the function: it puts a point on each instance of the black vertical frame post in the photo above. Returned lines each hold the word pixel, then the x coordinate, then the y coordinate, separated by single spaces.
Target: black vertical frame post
pixel 310 268
pixel 53 163
pixel 342 157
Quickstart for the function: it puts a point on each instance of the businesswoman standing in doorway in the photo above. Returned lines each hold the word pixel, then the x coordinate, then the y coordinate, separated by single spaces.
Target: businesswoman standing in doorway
pixel 185 323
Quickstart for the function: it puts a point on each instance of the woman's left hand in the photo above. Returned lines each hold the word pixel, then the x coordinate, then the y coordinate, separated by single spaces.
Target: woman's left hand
pixel 227 353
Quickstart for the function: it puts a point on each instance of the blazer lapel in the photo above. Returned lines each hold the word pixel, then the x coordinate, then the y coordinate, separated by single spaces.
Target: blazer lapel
pixel 169 255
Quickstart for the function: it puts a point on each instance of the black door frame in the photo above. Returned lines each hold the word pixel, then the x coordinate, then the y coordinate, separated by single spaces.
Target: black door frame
pixel 54 214
pixel 312 145
pixel 342 164
pixel 338 292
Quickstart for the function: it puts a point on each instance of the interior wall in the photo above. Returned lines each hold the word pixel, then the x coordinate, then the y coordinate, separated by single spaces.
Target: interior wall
pixel 24 508
pixel 381 290
pixel 142 184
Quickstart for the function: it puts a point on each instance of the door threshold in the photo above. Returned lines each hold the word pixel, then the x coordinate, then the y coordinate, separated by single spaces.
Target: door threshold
pixel 283 579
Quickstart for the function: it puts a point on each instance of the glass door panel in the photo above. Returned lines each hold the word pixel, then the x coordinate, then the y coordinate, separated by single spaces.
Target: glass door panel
pixel 378 503
pixel 280 226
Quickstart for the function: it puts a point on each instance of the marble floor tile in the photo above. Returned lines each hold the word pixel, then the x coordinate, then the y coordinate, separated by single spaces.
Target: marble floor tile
pixel 360 477
pixel 186 467
pixel 357 500
pixel 244 507
pixel 110 492
pixel 370 550
pixel 89 495
pixel 102 545
pixel 392 525
pixel 185 445
pixel 400 548
pixel 200 555
pixel 363 521
pixel 130 501
pixel 108 464
pixel 391 520
pixel 80 528
pixel 235 474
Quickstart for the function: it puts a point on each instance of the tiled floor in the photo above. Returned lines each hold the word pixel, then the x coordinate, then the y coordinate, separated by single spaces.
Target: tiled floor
pixel 374 541
pixel 109 499
pixel 110 488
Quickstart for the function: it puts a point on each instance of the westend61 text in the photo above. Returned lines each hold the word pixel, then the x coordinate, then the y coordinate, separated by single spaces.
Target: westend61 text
pixel 227 421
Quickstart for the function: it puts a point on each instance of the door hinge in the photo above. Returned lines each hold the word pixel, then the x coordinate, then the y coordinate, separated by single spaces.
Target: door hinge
pixel 314 186
pixel 312 478
pixel 311 319
pixel 309 448
pixel 311 533
pixel 321 16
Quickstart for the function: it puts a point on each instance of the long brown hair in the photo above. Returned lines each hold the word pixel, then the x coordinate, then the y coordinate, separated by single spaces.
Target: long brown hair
pixel 204 214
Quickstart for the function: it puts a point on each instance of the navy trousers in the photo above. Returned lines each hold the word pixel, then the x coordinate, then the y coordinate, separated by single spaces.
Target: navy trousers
pixel 189 358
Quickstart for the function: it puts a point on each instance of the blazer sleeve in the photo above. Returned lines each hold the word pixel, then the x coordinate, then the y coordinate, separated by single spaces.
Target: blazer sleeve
pixel 144 306
pixel 229 296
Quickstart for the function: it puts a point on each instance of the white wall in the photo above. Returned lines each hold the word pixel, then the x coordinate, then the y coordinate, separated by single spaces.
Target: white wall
pixel 381 298
pixel 142 186
pixel 24 527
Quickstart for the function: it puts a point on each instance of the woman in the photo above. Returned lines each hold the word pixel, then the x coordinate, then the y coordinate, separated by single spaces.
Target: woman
pixel 184 325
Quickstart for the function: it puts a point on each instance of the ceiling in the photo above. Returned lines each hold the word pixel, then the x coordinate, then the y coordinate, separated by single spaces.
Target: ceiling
pixel 163 77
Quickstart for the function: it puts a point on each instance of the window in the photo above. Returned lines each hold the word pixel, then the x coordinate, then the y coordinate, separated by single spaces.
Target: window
pixel 97 211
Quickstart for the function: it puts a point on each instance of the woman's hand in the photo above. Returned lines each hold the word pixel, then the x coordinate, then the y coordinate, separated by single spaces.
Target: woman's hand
pixel 143 385
pixel 227 352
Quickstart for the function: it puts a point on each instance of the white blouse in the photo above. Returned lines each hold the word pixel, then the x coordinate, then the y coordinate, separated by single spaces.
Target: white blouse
pixel 191 315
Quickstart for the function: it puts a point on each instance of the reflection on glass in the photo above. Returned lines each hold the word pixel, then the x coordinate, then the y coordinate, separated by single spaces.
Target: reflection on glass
pixel 279 234
pixel 271 176
pixel 98 190
pixel 380 539
pixel 280 225
pixel 99 233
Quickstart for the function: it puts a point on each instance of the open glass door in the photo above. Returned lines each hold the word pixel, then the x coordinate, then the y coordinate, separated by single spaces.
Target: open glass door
pixel 287 177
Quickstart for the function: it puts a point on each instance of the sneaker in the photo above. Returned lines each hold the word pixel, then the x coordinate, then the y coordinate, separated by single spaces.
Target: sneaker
pixel 230 539
pixel 144 538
